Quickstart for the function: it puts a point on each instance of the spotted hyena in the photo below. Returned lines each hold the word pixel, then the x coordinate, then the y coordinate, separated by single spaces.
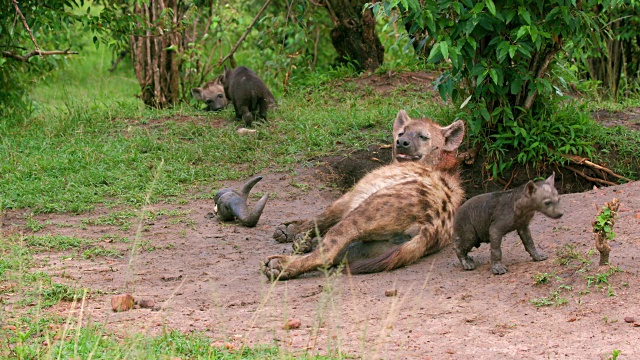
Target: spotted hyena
pixel 212 94
pixel 393 216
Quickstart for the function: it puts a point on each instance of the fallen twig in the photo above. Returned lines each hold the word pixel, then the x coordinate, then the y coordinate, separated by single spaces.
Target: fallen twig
pixel 592 179
pixel 583 161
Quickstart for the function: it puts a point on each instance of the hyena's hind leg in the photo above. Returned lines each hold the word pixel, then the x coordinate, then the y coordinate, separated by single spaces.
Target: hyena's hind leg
pixel 306 233
pixel 350 228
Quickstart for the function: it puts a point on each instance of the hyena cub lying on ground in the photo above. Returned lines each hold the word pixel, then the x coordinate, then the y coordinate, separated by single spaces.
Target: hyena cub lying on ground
pixel 249 95
pixel 393 216
pixel 489 217
pixel 212 94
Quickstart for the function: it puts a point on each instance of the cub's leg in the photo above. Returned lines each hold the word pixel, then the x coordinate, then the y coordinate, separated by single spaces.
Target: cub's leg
pixel 246 115
pixel 497 268
pixel 527 241
pixel 462 246
pixel 264 106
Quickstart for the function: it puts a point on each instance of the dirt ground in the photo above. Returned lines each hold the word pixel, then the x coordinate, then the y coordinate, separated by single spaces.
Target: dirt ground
pixel 204 276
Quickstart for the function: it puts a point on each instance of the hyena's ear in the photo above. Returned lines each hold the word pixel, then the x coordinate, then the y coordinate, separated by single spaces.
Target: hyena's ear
pixel 453 135
pixel 551 179
pixel 197 93
pixel 530 188
pixel 401 120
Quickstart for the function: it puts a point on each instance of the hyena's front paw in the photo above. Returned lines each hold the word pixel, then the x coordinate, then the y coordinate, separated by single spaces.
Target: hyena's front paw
pixel 467 263
pixel 274 267
pixel 285 233
pixel 303 243
pixel 539 256
pixel 498 269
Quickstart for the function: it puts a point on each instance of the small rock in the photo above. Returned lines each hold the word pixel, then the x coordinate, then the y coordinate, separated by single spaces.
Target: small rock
pixel 146 303
pixel 245 131
pixel 292 324
pixel 629 319
pixel 122 302
pixel 392 292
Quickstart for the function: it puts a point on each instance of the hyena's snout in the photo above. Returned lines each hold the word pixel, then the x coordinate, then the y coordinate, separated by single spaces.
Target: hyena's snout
pixel 216 104
pixel 403 143
pixel 554 212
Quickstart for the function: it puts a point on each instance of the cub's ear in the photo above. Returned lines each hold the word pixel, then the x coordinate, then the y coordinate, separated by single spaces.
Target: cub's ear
pixel 400 121
pixel 453 135
pixel 196 93
pixel 551 179
pixel 530 188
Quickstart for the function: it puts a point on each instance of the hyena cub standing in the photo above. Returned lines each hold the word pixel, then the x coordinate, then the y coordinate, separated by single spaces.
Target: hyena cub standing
pixel 249 95
pixel 393 216
pixel 212 94
pixel 487 218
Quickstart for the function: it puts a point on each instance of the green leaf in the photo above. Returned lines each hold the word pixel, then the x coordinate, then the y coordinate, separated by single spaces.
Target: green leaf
pixel 522 31
pixel 516 84
pixel 485 114
pixel 444 49
pixel 435 52
pixel 491 6
pixel 494 75
pixel 522 11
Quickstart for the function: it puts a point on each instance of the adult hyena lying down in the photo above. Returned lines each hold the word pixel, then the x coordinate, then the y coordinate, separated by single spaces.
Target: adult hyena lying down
pixel 393 216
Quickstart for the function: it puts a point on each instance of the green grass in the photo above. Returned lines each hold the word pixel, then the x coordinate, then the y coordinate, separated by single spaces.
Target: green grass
pixel 53 337
pixel 91 142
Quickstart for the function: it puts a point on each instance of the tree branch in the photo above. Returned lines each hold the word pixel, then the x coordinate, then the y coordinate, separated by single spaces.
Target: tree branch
pixel 528 103
pixel 26 26
pixel 25 57
pixel 235 47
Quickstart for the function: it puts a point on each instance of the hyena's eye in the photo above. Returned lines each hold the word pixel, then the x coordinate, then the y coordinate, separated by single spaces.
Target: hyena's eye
pixel 424 137
pixel 400 134
pixel 547 202
pixel 220 96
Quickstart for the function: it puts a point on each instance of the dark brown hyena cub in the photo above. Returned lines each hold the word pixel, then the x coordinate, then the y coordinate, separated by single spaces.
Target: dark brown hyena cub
pixel 487 218
pixel 249 95
pixel 212 94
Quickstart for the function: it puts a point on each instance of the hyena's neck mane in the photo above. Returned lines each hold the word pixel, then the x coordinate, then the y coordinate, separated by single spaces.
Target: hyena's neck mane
pixel 448 162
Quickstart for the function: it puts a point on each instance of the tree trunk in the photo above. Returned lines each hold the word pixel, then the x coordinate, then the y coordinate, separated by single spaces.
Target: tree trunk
pixel 354 34
pixel 156 67
pixel 607 67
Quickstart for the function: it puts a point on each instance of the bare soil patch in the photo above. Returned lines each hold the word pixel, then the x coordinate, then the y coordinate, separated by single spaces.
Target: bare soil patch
pixel 204 276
